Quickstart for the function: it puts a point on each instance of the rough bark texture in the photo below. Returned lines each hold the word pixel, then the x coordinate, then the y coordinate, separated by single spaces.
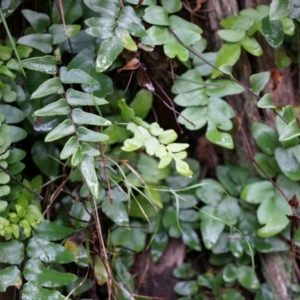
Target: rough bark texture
pixel 156 280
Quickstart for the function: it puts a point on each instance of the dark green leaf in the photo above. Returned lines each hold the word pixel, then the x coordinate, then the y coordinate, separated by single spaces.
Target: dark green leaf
pixel 57 108
pixel 229 273
pixel 11 252
pixel 272 31
pixel 38 21
pixel 191 239
pixel 158 245
pixel 86 135
pixel 247 278
pixel 10 276
pixel 222 87
pixel 108 52
pixel 41 42
pixel 184 271
pixel 52 231
pixel 35 271
pixel 45 64
pixel 133 238
pixel 142 103
pixel 76 98
pixel 280 9
pixel 81 117
pixel 116 211
pixel 266 137
pixel 287 163
pixel 51 86
pixel 63 129
pixel 89 174
pixel 186 288
pixel 12 114
pixel 62 32
pixel 210 227
pixel 31 291
pixel 76 76
pixel 48 252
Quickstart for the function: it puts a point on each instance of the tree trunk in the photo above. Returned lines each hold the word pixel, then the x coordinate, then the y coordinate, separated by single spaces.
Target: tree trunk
pixel 277 266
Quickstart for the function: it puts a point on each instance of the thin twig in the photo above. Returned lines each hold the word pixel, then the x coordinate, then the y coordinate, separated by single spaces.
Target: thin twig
pixel 21 183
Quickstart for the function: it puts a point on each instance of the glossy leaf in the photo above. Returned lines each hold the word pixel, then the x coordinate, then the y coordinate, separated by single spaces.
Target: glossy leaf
pixel 272 31
pixel 229 273
pixel 288 163
pixel 81 117
pixel 76 76
pixel 48 252
pixel 191 239
pixel 69 148
pixel 52 231
pixel 76 98
pixel 194 117
pixel 41 42
pixel 266 137
pixel 89 174
pixel 10 276
pixel 108 52
pixel 51 86
pixel 158 245
pixel 11 252
pixel 45 64
pixel 86 135
pixel 57 108
pixel 35 291
pixel 156 15
pixel 222 139
pixel 116 211
pixel 35 271
pixel 280 9
pixel 258 192
pixel 142 103
pixel 61 33
pixel 63 129
pixel 186 288
pixel 247 278
pixel 210 227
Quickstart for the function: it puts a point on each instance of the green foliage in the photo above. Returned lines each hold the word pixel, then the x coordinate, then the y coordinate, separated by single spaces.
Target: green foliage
pixel 111 163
